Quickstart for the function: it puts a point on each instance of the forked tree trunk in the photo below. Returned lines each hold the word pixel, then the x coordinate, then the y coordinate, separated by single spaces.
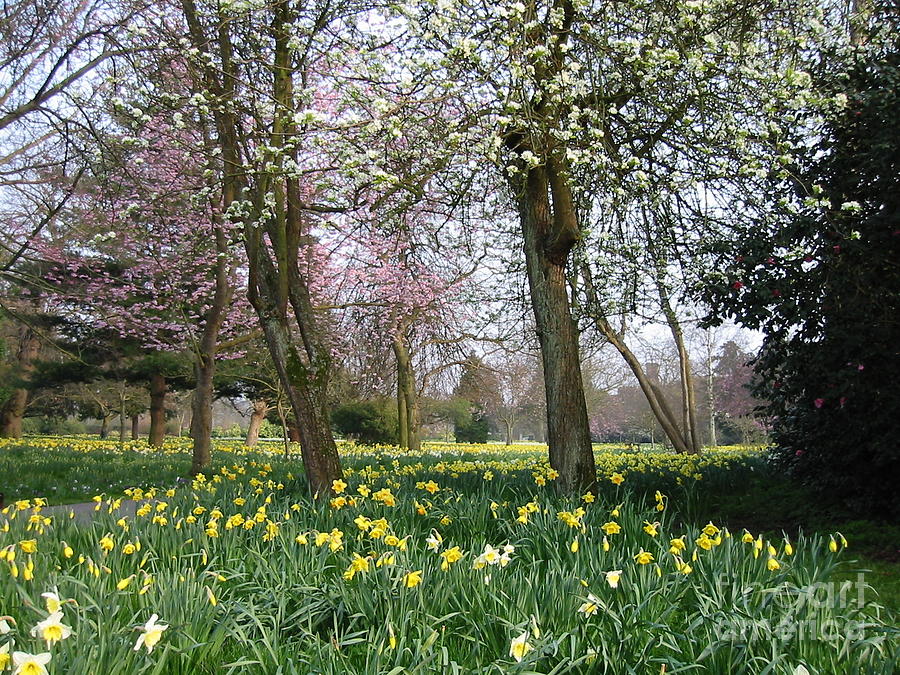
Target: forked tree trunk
pixel 158 389
pixel 549 234
pixel 257 417
pixel 686 376
pixel 13 411
pixel 658 404
pixel 272 237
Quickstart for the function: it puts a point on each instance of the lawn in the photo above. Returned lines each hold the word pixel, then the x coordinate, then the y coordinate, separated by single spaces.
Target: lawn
pixel 457 559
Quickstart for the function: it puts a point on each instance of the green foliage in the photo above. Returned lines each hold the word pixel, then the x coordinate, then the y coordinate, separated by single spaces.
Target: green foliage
pixel 821 278
pixel 367 421
pixel 49 425
pixel 472 430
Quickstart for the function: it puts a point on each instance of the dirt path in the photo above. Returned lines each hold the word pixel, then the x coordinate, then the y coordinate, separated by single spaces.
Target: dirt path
pixel 85 511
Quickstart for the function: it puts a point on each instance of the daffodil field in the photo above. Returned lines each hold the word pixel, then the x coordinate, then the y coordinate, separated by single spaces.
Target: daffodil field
pixel 458 559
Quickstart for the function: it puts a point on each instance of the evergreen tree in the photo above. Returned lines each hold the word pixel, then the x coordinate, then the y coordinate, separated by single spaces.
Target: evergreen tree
pixel 823 283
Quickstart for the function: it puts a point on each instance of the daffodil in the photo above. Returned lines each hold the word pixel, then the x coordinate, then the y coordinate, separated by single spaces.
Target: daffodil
pixel 151 634
pixel 611 527
pixel 590 607
pixel 519 647
pixel 412 579
pixel 613 578
pixel 30 664
pixel 643 557
pixel 434 541
pixel 450 556
pixel 4 656
pixel 51 630
pixel 52 601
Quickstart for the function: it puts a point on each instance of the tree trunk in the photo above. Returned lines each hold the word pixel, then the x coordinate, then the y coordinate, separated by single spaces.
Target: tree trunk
pixel 548 238
pixel 13 411
pixel 509 429
pixel 158 389
pixel 710 392
pixel 293 431
pixel 402 421
pixel 257 417
pixel 205 354
pixel 658 404
pixel 135 424
pixel 273 234
pixel 407 396
pixel 104 427
pixel 201 414
pixel 309 406
pixel 686 377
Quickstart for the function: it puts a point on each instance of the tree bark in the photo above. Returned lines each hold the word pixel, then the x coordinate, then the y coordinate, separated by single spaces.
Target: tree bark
pixel 201 414
pixel 293 431
pixel 104 427
pixel 135 424
pixel 658 404
pixel 158 389
pixel 407 396
pixel 549 235
pixel 257 417
pixel 13 411
pixel 273 234
pixel 686 377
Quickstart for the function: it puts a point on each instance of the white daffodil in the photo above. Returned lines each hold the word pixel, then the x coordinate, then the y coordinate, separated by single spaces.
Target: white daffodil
pixel 151 635
pixel 52 629
pixel 30 664
pixel 519 647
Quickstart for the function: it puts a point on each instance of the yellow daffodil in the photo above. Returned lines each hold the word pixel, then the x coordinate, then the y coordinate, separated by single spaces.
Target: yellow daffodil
pixel 611 527
pixel 450 556
pixel 643 557
pixel 412 579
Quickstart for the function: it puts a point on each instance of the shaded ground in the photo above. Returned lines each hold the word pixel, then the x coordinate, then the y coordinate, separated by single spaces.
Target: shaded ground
pixel 84 512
